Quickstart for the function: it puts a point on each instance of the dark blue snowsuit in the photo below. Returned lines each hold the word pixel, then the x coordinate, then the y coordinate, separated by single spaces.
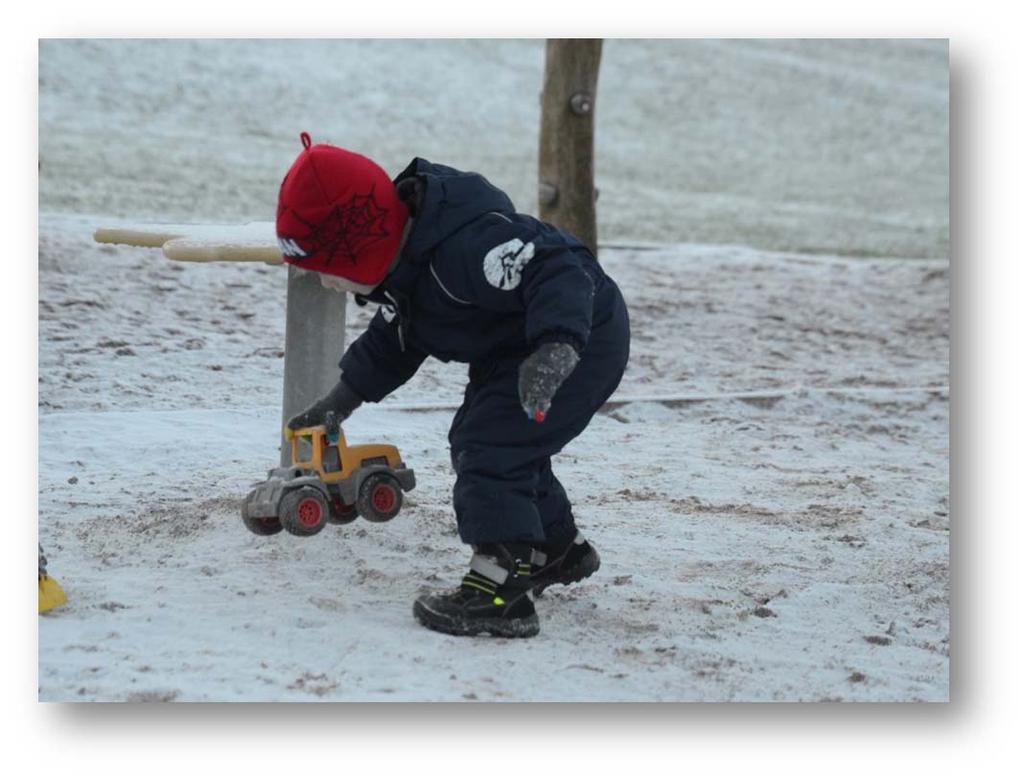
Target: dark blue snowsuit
pixel 482 284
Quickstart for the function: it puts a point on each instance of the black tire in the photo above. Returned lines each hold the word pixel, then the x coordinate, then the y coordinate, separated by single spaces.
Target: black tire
pixel 346 513
pixel 261 525
pixel 380 497
pixel 303 511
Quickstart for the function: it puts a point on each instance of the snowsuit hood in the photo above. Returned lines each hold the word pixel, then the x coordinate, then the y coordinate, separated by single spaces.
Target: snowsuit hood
pixel 451 199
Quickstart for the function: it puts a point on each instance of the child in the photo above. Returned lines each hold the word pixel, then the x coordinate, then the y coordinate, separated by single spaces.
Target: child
pixel 460 275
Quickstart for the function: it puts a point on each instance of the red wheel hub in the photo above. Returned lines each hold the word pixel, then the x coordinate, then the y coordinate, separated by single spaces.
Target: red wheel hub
pixel 310 512
pixel 384 498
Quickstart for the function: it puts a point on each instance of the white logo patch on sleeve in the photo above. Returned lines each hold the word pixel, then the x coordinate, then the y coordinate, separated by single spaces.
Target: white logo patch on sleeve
pixel 503 265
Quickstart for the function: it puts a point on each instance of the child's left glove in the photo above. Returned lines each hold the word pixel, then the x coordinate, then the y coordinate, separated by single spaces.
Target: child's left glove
pixel 334 408
pixel 540 375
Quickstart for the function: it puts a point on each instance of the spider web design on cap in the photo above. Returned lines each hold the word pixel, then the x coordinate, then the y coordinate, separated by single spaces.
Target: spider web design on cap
pixel 349 229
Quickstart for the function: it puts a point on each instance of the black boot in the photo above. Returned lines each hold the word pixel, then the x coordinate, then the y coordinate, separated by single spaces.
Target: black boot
pixel 496 596
pixel 563 563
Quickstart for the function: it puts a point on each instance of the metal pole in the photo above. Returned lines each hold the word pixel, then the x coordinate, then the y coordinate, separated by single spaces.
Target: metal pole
pixel 314 340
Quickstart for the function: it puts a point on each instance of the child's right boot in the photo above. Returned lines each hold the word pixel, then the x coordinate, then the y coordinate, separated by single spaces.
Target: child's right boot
pixel 562 563
pixel 495 597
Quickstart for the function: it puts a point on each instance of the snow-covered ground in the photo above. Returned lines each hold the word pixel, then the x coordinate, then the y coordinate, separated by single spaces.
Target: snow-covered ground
pixel 775 527
pixel 792 544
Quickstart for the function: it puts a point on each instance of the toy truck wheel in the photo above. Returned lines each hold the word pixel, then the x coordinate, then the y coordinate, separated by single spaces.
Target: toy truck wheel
pixel 263 525
pixel 380 497
pixel 303 511
pixel 342 513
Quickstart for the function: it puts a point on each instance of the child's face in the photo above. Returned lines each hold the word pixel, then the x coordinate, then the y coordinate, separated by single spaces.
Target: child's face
pixel 343 284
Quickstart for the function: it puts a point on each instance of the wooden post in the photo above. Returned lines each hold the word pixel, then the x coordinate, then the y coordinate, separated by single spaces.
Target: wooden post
pixel 314 340
pixel 566 186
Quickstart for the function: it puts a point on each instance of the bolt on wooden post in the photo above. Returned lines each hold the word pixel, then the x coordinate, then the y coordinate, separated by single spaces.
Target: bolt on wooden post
pixel 566 186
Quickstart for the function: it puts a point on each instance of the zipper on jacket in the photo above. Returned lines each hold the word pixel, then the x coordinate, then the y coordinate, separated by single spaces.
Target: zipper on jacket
pixel 445 288
pixel 401 319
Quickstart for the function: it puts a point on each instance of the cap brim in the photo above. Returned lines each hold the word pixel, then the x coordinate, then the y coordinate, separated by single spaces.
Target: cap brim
pixel 337 283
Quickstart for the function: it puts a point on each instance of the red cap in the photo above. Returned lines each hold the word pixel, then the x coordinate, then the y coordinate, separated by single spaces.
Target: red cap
pixel 338 213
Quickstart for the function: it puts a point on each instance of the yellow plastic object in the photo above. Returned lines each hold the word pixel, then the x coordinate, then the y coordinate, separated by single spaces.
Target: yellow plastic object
pixel 349 459
pixel 50 593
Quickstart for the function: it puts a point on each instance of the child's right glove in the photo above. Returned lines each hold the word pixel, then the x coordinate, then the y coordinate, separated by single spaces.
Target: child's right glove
pixel 540 375
pixel 334 408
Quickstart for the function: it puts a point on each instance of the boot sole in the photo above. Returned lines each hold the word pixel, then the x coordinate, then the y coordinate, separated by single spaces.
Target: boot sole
pixel 466 627
pixel 587 566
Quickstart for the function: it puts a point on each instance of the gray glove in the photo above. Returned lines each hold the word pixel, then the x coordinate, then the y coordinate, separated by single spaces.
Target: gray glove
pixel 334 408
pixel 540 375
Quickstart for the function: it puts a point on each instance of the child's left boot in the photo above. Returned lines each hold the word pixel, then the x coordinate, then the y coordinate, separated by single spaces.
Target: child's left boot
pixel 495 597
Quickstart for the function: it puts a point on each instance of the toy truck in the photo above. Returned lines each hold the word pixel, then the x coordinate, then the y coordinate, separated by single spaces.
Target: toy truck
pixel 327 482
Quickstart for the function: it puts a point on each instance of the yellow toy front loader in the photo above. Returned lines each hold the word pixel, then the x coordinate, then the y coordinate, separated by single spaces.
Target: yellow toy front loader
pixel 328 481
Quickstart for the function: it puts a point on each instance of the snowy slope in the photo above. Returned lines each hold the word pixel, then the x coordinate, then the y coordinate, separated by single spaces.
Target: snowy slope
pixel 788 547
pixel 831 146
